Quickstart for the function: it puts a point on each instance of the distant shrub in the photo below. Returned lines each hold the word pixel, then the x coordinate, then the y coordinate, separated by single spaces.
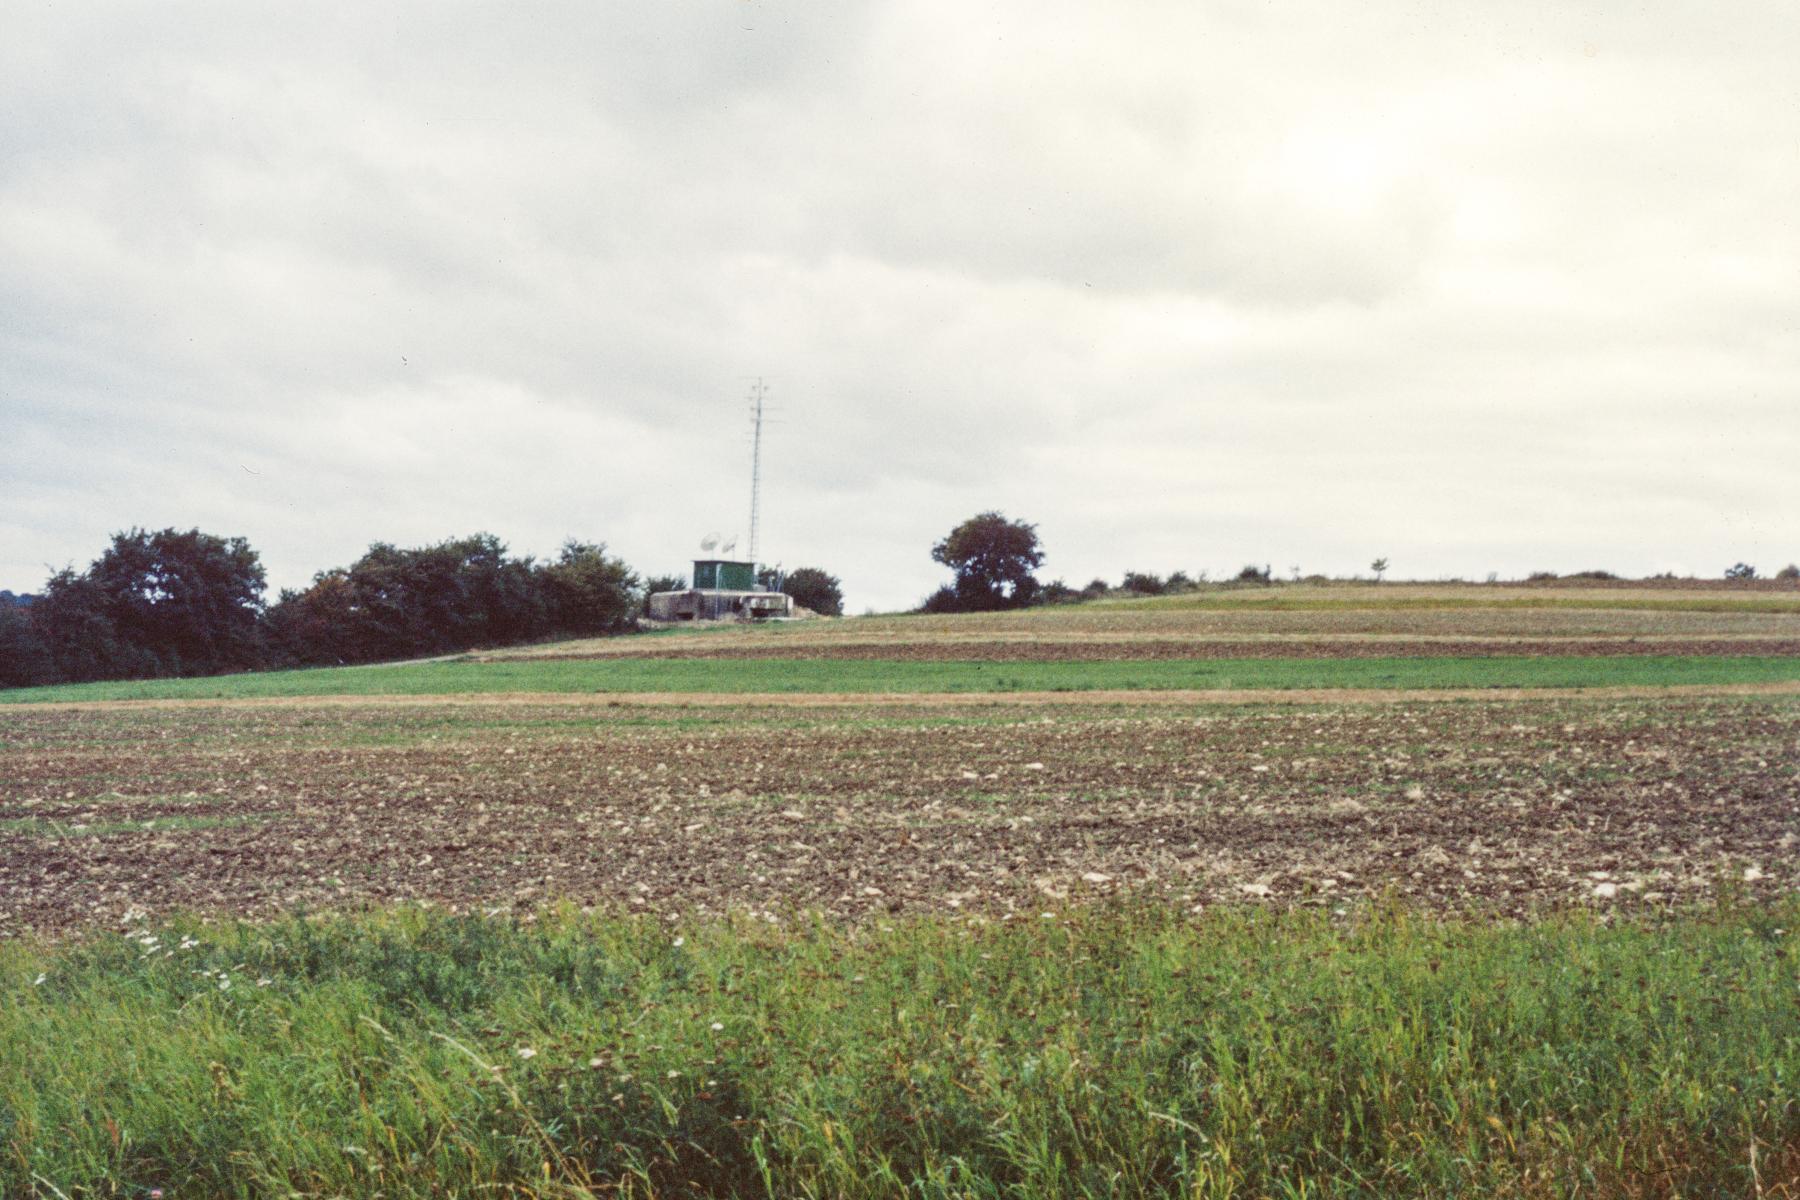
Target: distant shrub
pixel 1178 582
pixel 665 583
pixel 944 600
pixel 1542 577
pixel 1251 573
pixel 1603 575
pixel 1741 570
pixel 1791 571
pixel 1143 583
pixel 1095 589
pixel 1058 592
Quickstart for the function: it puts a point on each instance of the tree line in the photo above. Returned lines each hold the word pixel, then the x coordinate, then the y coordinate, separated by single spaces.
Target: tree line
pixel 172 603
pixel 995 561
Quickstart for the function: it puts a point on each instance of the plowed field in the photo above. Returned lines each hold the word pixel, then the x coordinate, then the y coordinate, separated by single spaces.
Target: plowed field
pixel 110 813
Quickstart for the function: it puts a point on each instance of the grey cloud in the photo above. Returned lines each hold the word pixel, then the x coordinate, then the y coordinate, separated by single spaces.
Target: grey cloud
pixel 1186 285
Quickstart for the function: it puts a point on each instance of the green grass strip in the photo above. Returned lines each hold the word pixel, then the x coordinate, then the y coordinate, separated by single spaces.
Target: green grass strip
pixel 1129 1052
pixel 844 675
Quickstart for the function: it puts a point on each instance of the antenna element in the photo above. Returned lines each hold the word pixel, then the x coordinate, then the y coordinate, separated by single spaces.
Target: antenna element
pixel 757 394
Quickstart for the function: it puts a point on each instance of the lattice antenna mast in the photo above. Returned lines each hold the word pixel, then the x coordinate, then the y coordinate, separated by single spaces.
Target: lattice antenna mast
pixel 758 393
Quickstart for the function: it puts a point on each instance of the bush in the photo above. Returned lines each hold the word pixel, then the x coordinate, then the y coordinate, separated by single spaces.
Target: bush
pixel 1143 583
pixel 1741 570
pixel 665 583
pixel 1791 571
pixel 813 588
pixel 944 600
pixel 1251 573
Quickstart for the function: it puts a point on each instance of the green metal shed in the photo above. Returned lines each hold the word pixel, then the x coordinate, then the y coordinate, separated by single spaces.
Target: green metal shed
pixel 724 575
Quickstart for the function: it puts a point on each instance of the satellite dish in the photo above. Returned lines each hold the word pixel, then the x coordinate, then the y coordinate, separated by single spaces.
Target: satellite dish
pixel 729 546
pixel 709 541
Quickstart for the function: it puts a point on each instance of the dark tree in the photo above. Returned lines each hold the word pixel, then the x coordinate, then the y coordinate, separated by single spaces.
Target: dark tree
pixel 1143 583
pixel 813 588
pixel 320 624
pixel 1740 571
pixel 181 603
pixel 588 592
pixel 993 559
pixel 665 583
pixel 25 659
pixel 403 603
pixel 71 619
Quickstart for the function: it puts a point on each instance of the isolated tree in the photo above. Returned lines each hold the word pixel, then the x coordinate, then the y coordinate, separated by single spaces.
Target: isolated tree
pixel 813 588
pixel 1741 570
pixel 993 559
pixel 1791 571
pixel 1143 583
pixel 816 589
pixel 1379 566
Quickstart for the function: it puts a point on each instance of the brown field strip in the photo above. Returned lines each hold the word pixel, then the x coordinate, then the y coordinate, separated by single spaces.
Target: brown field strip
pixel 1116 648
pixel 861 805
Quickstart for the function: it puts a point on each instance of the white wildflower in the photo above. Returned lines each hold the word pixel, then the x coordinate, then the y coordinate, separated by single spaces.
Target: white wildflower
pixel 526 1052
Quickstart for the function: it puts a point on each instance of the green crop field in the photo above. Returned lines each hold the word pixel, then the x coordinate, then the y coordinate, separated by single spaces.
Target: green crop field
pixel 800 675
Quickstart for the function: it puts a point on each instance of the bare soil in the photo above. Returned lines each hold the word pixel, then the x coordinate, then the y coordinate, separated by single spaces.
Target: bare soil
pixel 856 807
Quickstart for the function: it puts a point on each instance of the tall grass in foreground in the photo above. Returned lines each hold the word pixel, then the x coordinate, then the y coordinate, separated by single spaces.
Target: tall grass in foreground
pixel 1107 1052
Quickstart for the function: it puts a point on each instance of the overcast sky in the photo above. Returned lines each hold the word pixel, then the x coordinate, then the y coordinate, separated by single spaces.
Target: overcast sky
pixel 1481 286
